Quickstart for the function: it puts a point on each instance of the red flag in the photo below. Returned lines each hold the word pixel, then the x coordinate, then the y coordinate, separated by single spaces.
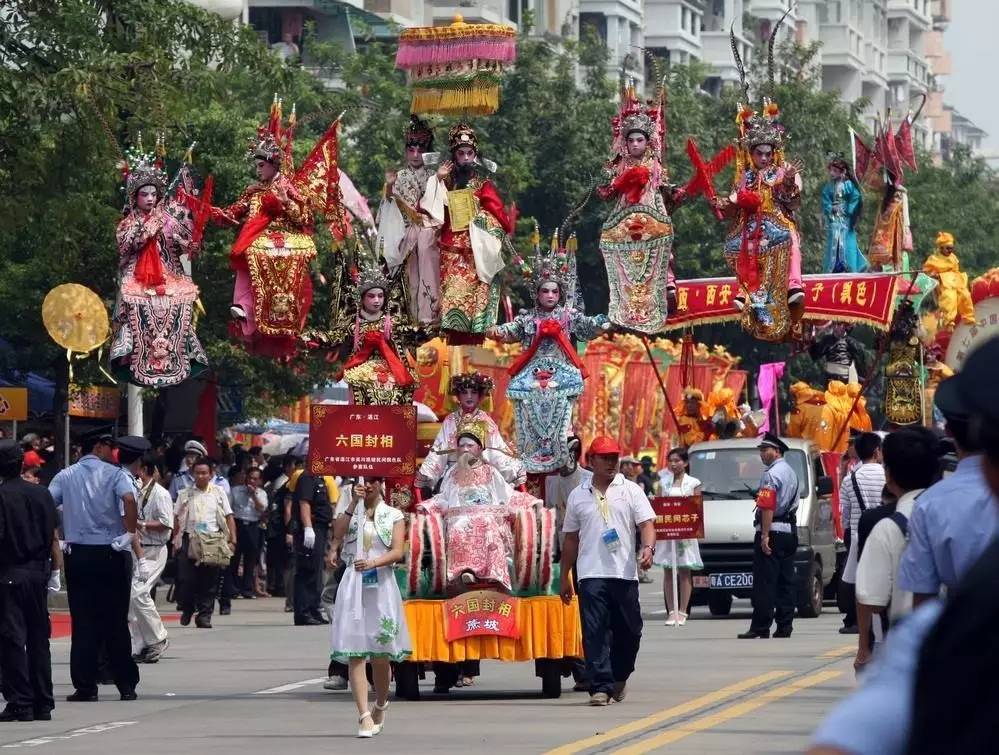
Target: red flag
pixel 865 161
pixel 903 141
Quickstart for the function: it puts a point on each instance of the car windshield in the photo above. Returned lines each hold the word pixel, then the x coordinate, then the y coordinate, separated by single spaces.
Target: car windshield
pixel 735 472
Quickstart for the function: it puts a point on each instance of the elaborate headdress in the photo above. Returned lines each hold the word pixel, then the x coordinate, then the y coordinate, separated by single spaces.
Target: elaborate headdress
pixel 557 264
pixel 944 238
pixel 456 69
pixel 368 274
pixel 693 393
pixel 634 115
pixel 474 380
pixel 462 135
pixel 274 139
pixel 763 127
pixel 419 134
pixel 474 428
pixel 837 158
pixel 143 168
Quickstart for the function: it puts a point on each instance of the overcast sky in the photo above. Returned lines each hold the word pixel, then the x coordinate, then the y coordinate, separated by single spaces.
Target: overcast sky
pixel 971 88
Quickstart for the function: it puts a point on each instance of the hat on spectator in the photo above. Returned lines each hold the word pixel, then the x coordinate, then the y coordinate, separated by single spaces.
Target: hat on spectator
pixel 196 447
pixel 769 440
pixel 10 452
pixel 604 445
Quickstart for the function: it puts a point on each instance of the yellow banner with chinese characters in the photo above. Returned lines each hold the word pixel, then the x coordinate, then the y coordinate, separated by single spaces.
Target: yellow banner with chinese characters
pixel 461 208
pixel 14 404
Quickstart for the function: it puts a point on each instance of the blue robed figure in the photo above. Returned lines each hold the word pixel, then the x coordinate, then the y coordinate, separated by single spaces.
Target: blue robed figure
pixel 842 203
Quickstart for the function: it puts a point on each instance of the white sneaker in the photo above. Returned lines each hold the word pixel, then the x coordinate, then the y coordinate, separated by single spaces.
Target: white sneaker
pixel 683 618
pixel 335 684
pixel 671 619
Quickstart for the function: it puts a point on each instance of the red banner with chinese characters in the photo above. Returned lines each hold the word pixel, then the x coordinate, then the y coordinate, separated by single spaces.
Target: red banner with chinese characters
pixel 374 441
pixel 480 612
pixel 868 299
pixel 679 517
pixel 95 402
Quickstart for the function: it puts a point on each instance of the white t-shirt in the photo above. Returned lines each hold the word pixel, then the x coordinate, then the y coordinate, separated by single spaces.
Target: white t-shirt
pixel 198 507
pixel 877 571
pixel 156 505
pixel 627 507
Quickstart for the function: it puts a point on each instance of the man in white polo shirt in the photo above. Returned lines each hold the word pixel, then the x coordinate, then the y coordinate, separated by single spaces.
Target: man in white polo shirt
pixel 600 522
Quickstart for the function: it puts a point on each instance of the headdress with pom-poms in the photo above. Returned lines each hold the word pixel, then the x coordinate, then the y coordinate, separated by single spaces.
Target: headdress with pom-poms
pixel 367 273
pixel 556 264
pixel 141 168
pixel 635 115
pixel 474 380
pixel 419 134
pixel 274 139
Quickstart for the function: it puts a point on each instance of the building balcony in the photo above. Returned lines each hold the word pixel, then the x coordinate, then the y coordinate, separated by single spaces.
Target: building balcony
pixel 473 11
pixel 904 66
pixel 230 10
pixel 916 12
pixel 842 46
pixel 717 51
pixel 404 13
pixel 941 10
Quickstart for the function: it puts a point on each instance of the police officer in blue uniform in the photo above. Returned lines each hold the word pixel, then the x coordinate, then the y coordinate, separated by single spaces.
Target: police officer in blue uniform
pixel 775 543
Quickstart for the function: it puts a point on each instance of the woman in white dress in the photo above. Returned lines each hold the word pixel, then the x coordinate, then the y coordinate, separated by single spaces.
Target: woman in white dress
pixel 369 624
pixel 674 481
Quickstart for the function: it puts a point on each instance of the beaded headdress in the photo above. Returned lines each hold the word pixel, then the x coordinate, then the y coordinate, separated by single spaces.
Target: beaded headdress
pixel 141 168
pixel 462 135
pixel 556 264
pixel 635 115
pixel 475 428
pixel 474 380
pixel 419 134
pixel 368 274
pixel 274 139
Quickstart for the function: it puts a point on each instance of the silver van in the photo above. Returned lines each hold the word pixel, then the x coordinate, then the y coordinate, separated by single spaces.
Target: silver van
pixel 729 471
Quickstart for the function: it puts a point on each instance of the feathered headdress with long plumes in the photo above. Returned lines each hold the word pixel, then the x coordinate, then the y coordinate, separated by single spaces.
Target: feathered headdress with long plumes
pixel 456 69
pixel 633 115
pixel 557 264
pixel 274 139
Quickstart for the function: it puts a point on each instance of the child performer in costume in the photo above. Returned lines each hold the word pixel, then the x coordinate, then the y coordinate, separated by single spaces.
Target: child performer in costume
pixel 378 370
pixel 547 377
pixel 406 232
pixel 762 246
pixel 953 298
pixel 473 228
pixel 842 203
pixel 469 389
pixel 637 238
pixel 154 340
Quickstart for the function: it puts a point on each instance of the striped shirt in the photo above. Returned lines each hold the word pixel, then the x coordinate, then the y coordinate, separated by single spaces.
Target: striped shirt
pixel 871 481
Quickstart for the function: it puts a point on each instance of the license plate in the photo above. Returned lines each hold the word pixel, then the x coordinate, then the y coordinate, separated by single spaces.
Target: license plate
pixel 731 581
pixel 701 581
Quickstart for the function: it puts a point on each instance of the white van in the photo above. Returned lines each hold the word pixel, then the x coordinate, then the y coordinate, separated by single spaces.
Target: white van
pixel 729 471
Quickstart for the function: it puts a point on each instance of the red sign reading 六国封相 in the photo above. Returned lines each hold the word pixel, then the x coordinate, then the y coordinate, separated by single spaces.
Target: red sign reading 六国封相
pixel 480 612
pixel 358 441
pixel 679 517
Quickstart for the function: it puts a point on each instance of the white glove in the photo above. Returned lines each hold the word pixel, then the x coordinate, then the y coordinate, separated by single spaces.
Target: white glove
pixel 123 542
pixel 309 538
pixel 55 582
pixel 142 570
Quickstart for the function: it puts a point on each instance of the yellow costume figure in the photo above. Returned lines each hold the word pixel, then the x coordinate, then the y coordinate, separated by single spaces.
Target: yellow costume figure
pixel 806 417
pixel 692 418
pixel 953 296
pixel 832 435
pixel 859 418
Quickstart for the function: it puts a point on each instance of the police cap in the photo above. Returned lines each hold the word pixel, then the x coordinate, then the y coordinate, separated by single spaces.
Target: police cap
pixel 769 440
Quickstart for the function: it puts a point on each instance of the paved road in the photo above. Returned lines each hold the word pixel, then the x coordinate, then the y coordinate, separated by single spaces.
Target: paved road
pixel 253 685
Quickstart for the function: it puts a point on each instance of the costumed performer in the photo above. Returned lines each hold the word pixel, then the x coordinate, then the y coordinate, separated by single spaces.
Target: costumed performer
pixel 154 342
pixel 473 228
pixel 675 482
pixel 636 240
pixel 407 234
pixel 860 420
pixel 470 389
pixel 833 434
pixel 547 377
pixel 805 419
pixel 762 246
pixel 842 356
pixel 694 424
pixel 842 204
pixel 369 623
pixel 378 370
pixel 953 297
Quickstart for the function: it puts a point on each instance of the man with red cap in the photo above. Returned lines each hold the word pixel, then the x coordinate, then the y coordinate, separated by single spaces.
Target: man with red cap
pixel 600 522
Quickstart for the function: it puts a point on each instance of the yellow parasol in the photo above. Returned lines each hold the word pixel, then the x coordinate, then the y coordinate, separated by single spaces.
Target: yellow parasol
pixel 75 318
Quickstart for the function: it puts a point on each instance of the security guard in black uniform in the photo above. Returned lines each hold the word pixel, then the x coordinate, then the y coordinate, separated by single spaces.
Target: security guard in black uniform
pixel 27 527
pixel 775 543
pixel 312 515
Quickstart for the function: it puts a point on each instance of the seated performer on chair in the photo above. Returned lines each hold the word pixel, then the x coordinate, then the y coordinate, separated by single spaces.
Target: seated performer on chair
pixel 953 297
pixel 154 341
pixel 473 227
pixel 470 389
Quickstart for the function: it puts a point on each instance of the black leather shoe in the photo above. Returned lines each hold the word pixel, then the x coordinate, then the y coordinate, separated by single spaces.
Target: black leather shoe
pixel 185 618
pixel 82 697
pixel 43 714
pixel 128 694
pixel 203 623
pixel 783 633
pixel 16 714
pixel 754 634
pixel 852 629
pixel 308 621
pixel 225 610
pixel 320 619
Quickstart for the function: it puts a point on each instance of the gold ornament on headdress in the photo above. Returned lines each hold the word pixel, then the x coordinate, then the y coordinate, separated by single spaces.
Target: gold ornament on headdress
pixel 476 428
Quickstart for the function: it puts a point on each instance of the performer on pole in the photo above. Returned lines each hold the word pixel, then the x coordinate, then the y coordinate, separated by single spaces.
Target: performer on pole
pixel 406 232
pixel 637 238
pixel 953 297
pixel 547 377
pixel 842 204
pixel 473 225
pixel 154 341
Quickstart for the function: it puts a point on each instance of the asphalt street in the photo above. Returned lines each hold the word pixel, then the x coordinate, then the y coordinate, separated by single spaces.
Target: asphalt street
pixel 253 684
